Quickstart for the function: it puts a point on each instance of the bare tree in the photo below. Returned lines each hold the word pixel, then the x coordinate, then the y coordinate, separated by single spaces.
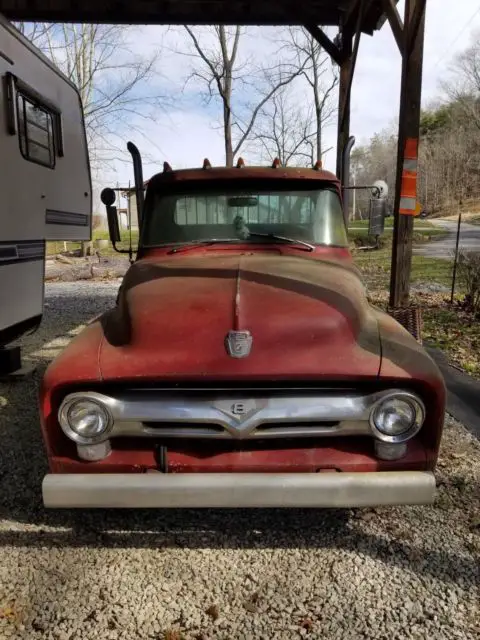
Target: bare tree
pixel 220 72
pixel 375 161
pixel 320 74
pixel 463 86
pixel 449 151
pixel 285 130
pixel 114 82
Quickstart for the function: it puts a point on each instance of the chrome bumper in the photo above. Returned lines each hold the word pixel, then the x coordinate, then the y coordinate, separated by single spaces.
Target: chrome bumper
pixel 216 490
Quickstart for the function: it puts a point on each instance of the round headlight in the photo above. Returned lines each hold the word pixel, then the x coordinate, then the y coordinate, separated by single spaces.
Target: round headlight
pixel 85 420
pixel 397 418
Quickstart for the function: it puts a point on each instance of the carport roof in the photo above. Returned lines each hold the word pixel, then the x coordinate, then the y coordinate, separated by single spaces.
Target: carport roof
pixel 246 12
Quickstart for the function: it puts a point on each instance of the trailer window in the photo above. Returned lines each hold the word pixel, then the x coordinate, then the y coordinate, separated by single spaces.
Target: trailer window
pixel 35 131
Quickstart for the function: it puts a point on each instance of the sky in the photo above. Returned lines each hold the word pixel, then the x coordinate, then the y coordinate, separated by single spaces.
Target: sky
pixel 187 130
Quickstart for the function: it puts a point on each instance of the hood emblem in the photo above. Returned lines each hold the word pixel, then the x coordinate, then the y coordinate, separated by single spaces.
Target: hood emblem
pixel 238 343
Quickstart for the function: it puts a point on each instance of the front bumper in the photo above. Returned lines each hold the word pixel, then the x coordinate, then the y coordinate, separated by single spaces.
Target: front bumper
pixel 217 490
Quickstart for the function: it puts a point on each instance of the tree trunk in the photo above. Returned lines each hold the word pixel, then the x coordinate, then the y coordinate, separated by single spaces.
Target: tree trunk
pixel 227 126
pixel 319 136
pixel 227 113
pixel 317 102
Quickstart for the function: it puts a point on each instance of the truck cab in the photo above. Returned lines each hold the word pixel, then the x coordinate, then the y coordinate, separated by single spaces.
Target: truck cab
pixel 242 365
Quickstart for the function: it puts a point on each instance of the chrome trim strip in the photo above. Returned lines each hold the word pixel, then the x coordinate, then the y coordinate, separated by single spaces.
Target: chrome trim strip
pixel 219 490
pixel 295 430
pixel 239 415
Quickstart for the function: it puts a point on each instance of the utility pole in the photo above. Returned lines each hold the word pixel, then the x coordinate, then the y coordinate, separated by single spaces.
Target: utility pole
pixel 410 40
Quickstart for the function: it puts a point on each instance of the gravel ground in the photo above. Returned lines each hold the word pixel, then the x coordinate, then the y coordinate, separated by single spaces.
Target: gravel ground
pixel 381 573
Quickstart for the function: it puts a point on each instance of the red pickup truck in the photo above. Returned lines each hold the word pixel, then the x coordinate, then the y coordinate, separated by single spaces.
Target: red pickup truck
pixel 242 365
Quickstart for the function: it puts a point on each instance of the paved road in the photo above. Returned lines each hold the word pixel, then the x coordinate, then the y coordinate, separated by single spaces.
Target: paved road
pixel 444 248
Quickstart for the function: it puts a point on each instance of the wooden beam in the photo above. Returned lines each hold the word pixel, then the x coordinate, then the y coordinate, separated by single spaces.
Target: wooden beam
pixel 409 127
pixel 343 131
pixel 351 15
pixel 414 23
pixel 395 21
pixel 322 38
pixel 347 69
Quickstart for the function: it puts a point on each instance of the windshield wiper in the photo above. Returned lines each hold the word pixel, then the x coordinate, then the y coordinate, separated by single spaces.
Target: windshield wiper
pixel 185 246
pixel 305 246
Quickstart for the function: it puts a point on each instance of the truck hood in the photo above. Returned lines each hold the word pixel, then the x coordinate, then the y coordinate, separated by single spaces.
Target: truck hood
pixel 308 318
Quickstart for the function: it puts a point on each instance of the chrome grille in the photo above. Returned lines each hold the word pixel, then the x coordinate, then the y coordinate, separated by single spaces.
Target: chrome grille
pixel 261 431
pixel 241 414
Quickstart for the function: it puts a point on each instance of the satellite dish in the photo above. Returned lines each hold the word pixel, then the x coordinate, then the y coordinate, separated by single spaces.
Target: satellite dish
pixel 380 190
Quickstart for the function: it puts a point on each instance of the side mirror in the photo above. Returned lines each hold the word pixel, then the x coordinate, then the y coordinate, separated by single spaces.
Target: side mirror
pixel 378 210
pixel 108 197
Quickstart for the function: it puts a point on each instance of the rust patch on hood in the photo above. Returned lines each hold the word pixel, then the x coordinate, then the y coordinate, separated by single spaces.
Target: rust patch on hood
pixel 304 315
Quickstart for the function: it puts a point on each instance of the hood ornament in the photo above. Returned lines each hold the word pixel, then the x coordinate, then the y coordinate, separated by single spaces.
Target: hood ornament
pixel 238 343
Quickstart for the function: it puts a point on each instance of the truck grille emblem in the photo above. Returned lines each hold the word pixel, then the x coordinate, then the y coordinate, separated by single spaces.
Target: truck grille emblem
pixel 239 408
pixel 238 343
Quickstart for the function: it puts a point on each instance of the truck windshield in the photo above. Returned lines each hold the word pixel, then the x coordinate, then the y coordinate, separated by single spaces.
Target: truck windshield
pixel 314 216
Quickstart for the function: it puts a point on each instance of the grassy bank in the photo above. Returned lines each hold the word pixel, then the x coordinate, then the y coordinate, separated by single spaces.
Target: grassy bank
pixel 375 266
pixel 418 223
pixel 53 248
pixel 423 231
pixel 445 326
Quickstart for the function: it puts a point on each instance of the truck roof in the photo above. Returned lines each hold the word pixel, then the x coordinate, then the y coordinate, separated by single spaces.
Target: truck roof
pixel 239 173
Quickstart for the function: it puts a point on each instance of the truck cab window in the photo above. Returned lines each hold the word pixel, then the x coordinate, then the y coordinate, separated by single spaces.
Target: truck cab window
pixel 35 131
pixel 313 215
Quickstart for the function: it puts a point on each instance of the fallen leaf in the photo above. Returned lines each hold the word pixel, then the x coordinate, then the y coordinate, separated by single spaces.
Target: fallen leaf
pixel 307 624
pixel 213 611
pixel 9 611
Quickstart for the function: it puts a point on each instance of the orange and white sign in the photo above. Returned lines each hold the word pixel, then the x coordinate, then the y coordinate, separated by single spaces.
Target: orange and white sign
pixel 408 192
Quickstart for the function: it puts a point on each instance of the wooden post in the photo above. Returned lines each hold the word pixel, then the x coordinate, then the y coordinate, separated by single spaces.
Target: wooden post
pixel 344 98
pixel 455 261
pixel 409 128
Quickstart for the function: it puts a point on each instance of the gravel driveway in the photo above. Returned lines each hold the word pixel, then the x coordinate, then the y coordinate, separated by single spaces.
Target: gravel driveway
pixel 387 573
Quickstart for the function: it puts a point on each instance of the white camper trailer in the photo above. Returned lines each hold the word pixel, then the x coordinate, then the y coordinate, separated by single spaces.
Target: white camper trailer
pixel 45 186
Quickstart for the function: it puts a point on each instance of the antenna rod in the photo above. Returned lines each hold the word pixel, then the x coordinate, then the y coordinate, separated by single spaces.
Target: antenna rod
pixel 138 174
